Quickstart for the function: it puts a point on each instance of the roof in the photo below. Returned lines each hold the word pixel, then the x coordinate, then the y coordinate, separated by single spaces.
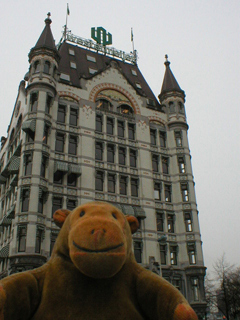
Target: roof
pixel 101 62
pixel 46 37
pixel 170 84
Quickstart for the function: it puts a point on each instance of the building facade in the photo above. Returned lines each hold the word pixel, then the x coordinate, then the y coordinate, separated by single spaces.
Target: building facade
pixel 86 126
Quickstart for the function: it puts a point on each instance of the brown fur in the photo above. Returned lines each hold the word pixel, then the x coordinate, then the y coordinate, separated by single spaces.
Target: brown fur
pixel 92 275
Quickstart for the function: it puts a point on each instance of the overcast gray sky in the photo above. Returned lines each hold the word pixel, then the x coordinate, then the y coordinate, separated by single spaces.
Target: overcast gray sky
pixel 201 39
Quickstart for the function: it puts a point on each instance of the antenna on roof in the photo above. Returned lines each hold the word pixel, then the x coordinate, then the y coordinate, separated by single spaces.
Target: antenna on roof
pixel 134 51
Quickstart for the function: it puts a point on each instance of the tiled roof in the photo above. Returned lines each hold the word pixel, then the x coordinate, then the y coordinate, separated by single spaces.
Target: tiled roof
pixel 83 66
pixel 46 38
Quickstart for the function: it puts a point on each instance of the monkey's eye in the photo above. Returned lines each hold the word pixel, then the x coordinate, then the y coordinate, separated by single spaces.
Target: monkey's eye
pixel 82 213
pixel 114 216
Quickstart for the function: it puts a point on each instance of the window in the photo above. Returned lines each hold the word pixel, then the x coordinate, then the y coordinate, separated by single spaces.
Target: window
pixel 110 153
pixel 99 181
pixel 172 107
pixel 185 193
pixel 123 185
pixel 178 138
pixel 25 199
pixel 153 137
pixel 155 162
pixel 33 101
pixel 134 187
pixel 138 85
pixel 165 166
pixel 104 104
pixel 73 117
pixel 173 255
pixel 160 221
pixel 43 166
pixel 134 72
pixel 72 148
pixel 64 77
pixel 181 164
pixel 157 190
pixel 92 71
pixel 99 123
pixel 163 139
pixel 91 58
pixel 73 65
pixel 49 100
pixel 45 133
pixel 59 146
pixel 195 290
pixel 122 156
pixel 28 164
pixel 72 180
pixel 56 204
pixel 163 254
pixel 110 125
pixel 188 222
pixel 125 109
pixel 22 233
pixel 131 131
pixel 133 158
pixel 120 129
pixel 61 113
pixel 168 197
pixel 53 240
pixel 58 177
pixel 39 238
pixel 46 67
pixel 36 66
pixel 177 283
pixel 99 151
pixel 191 253
pixel 111 183
pixel 71 204
pixel 170 222
pixel 181 107
pixel 40 204
pixel 138 251
pixel 71 52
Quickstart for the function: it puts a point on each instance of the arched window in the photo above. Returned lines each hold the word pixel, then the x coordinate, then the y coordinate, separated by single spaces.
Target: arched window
pixel 19 122
pixel 125 109
pixel 181 107
pixel 104 104
pixel 36 66
pixel 46 67
pixel 11 136
pixel 171 107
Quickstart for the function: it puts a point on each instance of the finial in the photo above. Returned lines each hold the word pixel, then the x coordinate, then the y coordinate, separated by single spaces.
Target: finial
pixel 167 63
pixel 48 20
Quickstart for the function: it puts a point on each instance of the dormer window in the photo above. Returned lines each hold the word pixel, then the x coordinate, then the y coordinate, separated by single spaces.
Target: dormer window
pixel 92 71
pixel 125 109
pixel 36 66
pixel 65 77
pixel 71 52
pixel 46 67
pixel 138 85
pixel 73 65
pixel 91 58
pixel 134 72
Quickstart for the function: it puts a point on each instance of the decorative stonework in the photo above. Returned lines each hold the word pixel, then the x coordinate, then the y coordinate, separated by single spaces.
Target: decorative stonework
pixel 123 199
pixel 29 146
pixel 156 176
pixel 43 183
pixel 134 171
pixel 68 94
pixel 168 206
pixel 122 141
pixel 103 86
pixel 41 220
pixel 135 201
pixel 122 169
pixel 186 206
pixel 132 143
pixel 110 138
pixel 157 119
pixel 190 237
pixel 73 129
pixel 172 237
pixel 99 164
pixel 183 178
pixel 112 198
pixel 61 126
pixel 99 135
pixel 46 148
pixel 58 189
pixel 72 159
pixel 153 149
pixel 142 125
pixel 159 205
pixel 72 192
pixel 87 110
pixel 99 196
pixel 59 156
pixel 111 166
pixel 26 181
pixel 180 150
pixel 23 218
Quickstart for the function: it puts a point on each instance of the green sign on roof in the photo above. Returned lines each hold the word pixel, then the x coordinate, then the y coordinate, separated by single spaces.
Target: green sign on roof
pixel 101 36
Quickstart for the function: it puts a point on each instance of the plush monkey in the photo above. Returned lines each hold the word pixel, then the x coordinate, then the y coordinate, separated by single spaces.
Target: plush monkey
pixel 92 275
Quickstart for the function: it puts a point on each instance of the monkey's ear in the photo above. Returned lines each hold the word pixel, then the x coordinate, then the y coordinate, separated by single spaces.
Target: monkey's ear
pixel 133 222
pixel 60 216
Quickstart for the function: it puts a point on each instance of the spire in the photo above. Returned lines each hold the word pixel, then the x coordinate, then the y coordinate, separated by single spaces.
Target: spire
pixel 170 84
pixel 45 40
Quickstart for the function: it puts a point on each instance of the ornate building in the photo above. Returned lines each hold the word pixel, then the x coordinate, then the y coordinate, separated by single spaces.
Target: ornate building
pixel 86 126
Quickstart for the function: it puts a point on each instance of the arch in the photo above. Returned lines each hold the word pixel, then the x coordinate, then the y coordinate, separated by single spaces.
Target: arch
pixel 98 88
pixel 19 122
pixel 158 121
pixel 66 94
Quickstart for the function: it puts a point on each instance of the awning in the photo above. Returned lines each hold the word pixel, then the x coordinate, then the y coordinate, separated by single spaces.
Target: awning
pixel 4 253
pixel 60 166
pixel 2 179
pixel 42 190
pixel 14 165
pixel 5 221
pixel 139 212
pixel 75 168
pixel 29 125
